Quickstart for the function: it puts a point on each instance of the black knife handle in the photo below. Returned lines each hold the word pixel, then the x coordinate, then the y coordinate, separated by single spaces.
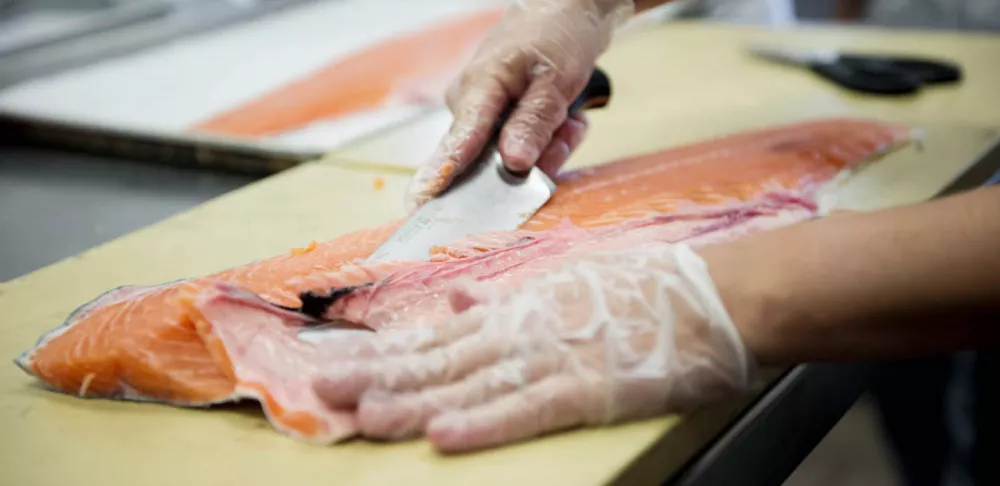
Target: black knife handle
pixel 596 94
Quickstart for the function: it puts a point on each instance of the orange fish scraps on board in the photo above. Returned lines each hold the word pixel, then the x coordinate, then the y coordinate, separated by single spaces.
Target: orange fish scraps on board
pixel 307 249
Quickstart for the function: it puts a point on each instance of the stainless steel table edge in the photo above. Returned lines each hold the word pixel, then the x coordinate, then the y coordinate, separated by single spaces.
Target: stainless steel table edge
pixel 196 150
pixel 766 442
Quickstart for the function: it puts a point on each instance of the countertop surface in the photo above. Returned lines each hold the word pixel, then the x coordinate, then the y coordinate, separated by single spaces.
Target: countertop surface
pixel 55 204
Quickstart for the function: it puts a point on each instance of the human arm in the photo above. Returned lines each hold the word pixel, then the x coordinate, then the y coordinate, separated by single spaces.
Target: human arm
pixel 540 56
pixel 901 282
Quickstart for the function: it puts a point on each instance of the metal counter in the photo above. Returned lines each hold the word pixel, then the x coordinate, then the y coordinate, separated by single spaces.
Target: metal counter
pixel 56 204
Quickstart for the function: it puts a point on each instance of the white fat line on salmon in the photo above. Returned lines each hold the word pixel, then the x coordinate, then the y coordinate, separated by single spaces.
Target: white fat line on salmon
pixel 86 384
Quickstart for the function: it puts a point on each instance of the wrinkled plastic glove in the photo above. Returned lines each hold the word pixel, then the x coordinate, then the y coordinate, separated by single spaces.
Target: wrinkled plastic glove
pixel 609 337
pixel 542 53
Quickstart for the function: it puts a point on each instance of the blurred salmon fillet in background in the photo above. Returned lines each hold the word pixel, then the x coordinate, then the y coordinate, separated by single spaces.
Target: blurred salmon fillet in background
pixel 412 68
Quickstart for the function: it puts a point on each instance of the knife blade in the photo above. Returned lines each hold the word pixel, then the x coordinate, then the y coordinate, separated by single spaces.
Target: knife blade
pixel 486 197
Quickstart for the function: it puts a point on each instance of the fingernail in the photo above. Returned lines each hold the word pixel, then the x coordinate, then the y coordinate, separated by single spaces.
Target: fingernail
pixel 447 432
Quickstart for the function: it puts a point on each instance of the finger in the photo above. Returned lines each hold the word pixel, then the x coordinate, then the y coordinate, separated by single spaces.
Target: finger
pixel 341 344
pixel 554 403
pixel 393 342
pixel 575 130
pixel 346 373
pixel 566 139
pixel 553 157
pixel 451 94
pixel 474 112
pixel 531 124
pixel 400 342
pixel 344 384
pixel 406 415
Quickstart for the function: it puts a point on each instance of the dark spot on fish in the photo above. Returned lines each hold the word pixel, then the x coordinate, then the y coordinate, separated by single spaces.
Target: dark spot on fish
pixel 315 304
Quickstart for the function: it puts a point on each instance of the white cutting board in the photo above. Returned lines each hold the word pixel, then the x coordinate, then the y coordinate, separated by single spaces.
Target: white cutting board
pixel 166 90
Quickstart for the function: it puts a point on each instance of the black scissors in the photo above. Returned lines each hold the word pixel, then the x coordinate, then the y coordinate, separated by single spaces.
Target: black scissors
pixel 874 74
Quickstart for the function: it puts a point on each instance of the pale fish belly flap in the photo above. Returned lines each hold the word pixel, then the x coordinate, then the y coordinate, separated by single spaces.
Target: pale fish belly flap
pixel 259 343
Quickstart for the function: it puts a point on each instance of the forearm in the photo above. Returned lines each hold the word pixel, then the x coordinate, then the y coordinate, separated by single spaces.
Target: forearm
pixel 900 282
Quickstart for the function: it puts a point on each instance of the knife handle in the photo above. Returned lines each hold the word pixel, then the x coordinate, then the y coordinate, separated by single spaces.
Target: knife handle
pixel 596 94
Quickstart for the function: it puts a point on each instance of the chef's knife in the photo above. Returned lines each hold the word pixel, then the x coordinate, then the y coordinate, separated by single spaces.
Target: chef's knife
pixel 486 197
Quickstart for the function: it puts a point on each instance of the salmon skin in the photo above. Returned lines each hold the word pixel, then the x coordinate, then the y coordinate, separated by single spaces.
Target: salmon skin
pixel 238 334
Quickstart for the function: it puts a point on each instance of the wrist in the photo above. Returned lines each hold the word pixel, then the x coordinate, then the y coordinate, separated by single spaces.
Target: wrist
pixel 754 299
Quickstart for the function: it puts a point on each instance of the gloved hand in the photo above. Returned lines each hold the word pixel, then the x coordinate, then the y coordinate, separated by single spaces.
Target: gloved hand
pixel 541 53
pixel 608 337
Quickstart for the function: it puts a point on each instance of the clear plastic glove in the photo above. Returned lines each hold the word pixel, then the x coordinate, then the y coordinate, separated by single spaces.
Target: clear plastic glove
pixel 540 54
pixel 609 337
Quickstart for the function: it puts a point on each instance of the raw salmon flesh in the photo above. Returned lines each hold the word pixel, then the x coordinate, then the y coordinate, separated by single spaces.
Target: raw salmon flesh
pixel 235 334
pixel 411 69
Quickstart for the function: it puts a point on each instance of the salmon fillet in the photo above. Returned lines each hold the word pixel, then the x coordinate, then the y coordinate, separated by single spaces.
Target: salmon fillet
pixel 235 334
pixel 413 68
